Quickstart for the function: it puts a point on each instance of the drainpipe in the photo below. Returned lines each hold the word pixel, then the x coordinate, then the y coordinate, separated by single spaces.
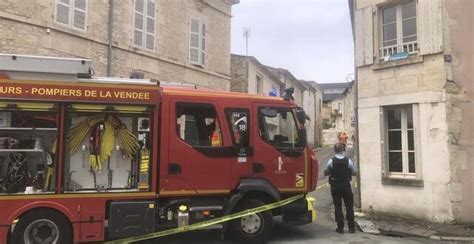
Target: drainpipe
pixel 356 115
pixel 110 29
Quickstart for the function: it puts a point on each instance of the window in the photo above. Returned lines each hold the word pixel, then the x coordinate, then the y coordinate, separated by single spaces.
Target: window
pixel 259 85
pixel 278 127
pixel 399 33
pixel 28 142
pixel 401 141
pixel 238 123
pixel 144 24
pixel 197 42
pixel 72 13
pixel 107 148
pixel 333 90
pixel 197 125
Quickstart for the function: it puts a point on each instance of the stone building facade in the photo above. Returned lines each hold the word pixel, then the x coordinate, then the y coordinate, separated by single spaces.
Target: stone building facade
pixel 343 112
pixel 305 95
pixel 312 103
pixel 338 106
pixel 414 69
pixel 290 81
pixel 170 40
pixel 248 75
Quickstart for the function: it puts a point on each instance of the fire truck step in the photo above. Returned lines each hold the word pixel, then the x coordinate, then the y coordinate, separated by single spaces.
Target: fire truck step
pixel 205 208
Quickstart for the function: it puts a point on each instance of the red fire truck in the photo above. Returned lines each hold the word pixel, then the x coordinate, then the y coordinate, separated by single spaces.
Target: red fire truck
pixel 86 159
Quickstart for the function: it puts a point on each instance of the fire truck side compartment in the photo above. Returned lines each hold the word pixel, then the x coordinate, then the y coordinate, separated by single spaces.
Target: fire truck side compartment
pixel 131 218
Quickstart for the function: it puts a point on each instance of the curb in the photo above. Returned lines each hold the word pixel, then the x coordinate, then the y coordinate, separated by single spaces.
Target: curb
pixel 451 238
pixel 392 231
pixel 389 231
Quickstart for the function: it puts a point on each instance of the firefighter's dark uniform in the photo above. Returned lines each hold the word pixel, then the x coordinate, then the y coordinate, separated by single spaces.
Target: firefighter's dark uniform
pixel 340 170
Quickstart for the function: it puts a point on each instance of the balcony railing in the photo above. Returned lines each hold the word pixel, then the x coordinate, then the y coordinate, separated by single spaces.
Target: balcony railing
pixel 408 47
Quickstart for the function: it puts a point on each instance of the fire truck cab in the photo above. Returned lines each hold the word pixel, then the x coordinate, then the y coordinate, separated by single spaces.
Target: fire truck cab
pixel 85 159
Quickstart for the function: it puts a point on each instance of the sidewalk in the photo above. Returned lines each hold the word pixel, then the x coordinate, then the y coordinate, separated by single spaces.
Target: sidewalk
pixel 396 226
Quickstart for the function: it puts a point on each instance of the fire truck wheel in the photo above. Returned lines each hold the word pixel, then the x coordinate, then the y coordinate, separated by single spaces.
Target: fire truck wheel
pixel 255 228
pixel 42 226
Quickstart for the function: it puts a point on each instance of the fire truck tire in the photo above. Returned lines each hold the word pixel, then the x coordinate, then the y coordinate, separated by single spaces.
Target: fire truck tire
pixel 256 228
pixel 42 226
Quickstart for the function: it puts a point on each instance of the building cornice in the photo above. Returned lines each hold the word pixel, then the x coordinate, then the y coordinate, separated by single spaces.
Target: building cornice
pixel 211 5
pixel 406 98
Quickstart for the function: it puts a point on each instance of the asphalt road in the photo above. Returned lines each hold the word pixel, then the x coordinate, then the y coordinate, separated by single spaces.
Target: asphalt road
pixel 322 231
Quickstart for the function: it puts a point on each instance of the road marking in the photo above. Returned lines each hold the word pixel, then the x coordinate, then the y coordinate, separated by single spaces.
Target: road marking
pixel 322 186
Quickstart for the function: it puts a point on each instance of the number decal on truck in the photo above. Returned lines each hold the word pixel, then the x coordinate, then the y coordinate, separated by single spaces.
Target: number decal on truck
pixel 299 180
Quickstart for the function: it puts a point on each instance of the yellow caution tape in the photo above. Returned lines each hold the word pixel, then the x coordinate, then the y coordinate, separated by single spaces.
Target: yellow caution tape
pixel 200 225
pixel 207 223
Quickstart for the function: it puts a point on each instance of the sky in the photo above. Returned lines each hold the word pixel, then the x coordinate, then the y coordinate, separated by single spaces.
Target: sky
pixel 310 38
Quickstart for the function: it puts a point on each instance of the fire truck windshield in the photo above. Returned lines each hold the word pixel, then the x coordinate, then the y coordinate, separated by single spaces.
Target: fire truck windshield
pixel 278 127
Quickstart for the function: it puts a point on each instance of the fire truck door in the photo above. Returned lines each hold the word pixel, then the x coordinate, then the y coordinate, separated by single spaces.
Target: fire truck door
pixel 198 158
pixel 278 154
pixel 238 122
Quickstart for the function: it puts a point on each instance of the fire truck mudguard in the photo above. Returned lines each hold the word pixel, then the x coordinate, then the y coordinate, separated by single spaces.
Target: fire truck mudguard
pixel 259 185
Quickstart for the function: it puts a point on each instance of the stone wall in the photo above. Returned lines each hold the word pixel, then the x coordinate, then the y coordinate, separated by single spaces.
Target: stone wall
pixel 29 28
pixel 430 201
pixel 238 74
pixel 422 84
pixel 270 82
pixel 308 106
pixel 319 118
pixel 459 31
pixel 348 101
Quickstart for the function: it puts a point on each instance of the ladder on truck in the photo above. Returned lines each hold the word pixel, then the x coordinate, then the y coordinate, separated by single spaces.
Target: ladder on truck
pixel 43 68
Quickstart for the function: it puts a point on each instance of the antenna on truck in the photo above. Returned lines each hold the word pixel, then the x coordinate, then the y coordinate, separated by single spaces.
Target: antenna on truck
pixel 42 68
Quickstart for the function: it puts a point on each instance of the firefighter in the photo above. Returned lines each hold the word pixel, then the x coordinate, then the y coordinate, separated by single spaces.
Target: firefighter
pixel 340 170
pixel 342 137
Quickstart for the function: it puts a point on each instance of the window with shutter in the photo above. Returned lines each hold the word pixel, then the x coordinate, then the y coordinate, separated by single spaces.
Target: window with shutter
pixel 62 12
pixel 364 37
pixel 203 44
pixel 144 24
pixel 150 25
pixel 194 41
pixel 197 42
pixel 139 21
pixel 398 30
pixel 80 14
pixel 72 13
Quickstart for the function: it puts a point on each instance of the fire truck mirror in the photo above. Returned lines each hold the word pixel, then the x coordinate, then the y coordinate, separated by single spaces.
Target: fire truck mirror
pixel 302 137
pixel 301 116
